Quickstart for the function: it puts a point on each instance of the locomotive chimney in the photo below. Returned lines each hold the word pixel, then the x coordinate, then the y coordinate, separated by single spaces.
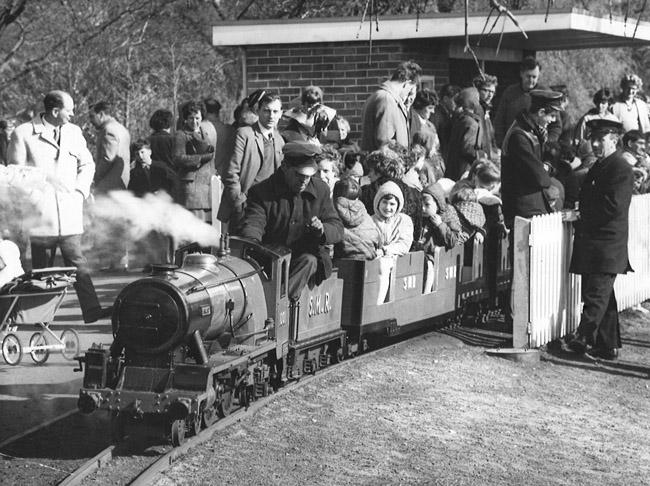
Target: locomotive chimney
pixel 224 245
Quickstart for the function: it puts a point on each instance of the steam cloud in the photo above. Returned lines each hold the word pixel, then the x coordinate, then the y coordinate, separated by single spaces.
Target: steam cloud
pixel 20 189
pixel 114 224
pixel 154 212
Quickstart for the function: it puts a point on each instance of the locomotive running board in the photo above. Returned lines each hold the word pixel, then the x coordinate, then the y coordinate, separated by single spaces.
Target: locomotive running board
pixel 299 345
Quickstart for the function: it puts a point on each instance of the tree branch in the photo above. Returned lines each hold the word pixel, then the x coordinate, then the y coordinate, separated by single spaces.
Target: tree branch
pixel 19 42
pixel 243 12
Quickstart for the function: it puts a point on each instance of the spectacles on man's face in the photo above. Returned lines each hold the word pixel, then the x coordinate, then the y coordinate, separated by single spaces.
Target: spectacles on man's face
pixel 488 90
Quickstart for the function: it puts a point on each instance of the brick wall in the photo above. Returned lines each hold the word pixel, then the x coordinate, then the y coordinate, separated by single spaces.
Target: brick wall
pixel 341 69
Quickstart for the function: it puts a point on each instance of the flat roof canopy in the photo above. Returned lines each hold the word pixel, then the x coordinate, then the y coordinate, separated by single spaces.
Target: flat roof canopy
pixel 563 29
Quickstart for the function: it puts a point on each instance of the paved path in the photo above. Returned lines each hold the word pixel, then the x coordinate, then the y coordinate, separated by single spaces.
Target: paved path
pixel 30 394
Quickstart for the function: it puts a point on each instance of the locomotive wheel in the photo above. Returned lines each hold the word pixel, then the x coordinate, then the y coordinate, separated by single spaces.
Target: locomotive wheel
pixel 208 417
pixel 339 356
pixel 39 356
pixel 70 340
pixel 178 432
pixel 118 427
pixel 12 350
pixel 226 405
pixel 195 424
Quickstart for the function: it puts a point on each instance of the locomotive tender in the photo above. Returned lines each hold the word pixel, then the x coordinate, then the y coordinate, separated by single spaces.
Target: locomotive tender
pixel 192 340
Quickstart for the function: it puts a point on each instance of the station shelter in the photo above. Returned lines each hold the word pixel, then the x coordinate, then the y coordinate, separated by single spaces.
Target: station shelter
pixel 348 61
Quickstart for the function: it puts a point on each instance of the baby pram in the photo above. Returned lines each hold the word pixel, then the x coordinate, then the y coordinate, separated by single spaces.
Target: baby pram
pixel 34 298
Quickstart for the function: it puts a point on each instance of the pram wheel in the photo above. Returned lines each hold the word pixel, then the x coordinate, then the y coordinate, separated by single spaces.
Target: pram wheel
pixel 12 350
pixel 38 355
pixel 70 340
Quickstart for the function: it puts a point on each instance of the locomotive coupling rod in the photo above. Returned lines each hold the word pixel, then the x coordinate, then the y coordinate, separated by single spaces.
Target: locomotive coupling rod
pixel 199 288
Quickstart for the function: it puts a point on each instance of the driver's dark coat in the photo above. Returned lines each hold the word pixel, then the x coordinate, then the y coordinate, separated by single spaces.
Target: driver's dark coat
pixel 277 216
pixel 600 244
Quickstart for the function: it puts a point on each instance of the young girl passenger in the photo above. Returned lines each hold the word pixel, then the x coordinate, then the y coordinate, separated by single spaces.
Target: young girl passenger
pixel 395 232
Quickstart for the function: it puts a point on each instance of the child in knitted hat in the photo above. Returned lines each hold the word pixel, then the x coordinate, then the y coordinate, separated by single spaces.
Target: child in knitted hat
pixel 470 214
pixel 360 234
pixel 440 228
pixel 395 232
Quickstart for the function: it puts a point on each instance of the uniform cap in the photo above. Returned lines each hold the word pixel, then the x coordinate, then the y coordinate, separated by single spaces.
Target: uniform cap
pixel 300 155
pixel 547 100
pixel 603 126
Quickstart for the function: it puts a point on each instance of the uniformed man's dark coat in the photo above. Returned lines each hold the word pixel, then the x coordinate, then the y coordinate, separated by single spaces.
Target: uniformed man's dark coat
pixel 600 244
pixel 277 216
pixel 523 176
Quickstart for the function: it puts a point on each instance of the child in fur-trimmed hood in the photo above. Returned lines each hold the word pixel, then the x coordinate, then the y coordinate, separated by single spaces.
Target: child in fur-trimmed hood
pixel 395 233
pixel 395 227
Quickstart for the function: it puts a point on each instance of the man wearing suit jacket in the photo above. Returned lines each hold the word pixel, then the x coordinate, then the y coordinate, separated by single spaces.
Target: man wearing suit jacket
pixel 256 156
pixel 113 156
pixel 58 148
pixel 385 116
pixel 600 244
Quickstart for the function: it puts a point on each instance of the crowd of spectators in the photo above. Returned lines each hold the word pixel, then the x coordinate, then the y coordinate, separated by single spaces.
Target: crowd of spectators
pixel 427 171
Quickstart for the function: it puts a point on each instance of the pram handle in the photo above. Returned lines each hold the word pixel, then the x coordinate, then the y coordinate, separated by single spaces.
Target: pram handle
pixel 43 272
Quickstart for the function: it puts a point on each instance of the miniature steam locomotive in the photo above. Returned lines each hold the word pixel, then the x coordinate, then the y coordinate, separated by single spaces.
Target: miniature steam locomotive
pixel 192 340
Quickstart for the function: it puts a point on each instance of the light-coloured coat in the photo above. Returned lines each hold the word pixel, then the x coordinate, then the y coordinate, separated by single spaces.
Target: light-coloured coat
pixel 70 164
pixel 113 157
pixel 396 232
pixel 385 119
pixel 638 119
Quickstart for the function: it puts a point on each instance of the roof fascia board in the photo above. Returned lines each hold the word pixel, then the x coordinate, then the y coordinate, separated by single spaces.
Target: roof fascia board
pixel 394 28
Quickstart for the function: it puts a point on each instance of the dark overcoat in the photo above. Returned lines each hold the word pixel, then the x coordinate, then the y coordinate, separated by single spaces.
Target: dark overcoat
pixel 465 141
pixel 158 177
pixel 277 216
pixel 523 177
pixel 600 244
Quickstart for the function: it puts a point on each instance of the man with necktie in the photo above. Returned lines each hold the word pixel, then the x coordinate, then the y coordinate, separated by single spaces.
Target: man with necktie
pixel 257 155
pixel 58 148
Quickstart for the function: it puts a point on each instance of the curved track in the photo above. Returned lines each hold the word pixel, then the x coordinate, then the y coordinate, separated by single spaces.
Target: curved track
pixel 113 466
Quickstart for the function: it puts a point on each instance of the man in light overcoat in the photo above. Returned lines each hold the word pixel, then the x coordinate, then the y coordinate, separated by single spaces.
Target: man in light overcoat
pixel 58 148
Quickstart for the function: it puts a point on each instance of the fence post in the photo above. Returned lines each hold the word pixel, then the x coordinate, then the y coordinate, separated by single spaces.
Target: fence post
pixel 520 294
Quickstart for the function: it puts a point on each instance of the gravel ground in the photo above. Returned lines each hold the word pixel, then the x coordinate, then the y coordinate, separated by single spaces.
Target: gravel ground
pixel 436 411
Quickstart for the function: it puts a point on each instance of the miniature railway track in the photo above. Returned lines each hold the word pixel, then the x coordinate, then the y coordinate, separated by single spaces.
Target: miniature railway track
pixel 142 469
pixel 52 452
pixel 45 453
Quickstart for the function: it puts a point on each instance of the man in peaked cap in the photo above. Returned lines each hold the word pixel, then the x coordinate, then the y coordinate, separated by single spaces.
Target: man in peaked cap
pixel 294 209
pixel 524 179
pixel 600 243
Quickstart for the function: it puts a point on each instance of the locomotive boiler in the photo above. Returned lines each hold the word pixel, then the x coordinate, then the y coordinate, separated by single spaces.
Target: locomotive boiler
pixel 188 340
pixel 207 300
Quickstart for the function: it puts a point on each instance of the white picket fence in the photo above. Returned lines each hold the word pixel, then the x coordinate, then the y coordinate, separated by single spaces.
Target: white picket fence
pixel 546 297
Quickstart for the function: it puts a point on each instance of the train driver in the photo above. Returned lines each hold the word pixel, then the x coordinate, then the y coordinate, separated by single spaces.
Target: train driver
pixel 294 209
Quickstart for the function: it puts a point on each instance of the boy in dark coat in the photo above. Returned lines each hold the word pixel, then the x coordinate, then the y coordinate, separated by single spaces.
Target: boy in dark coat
pixel 524 178
pixel 294 209
pixel 149 175
pixel 600 244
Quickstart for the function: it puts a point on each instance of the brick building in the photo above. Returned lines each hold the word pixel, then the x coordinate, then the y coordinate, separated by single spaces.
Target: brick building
pixel 336 54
